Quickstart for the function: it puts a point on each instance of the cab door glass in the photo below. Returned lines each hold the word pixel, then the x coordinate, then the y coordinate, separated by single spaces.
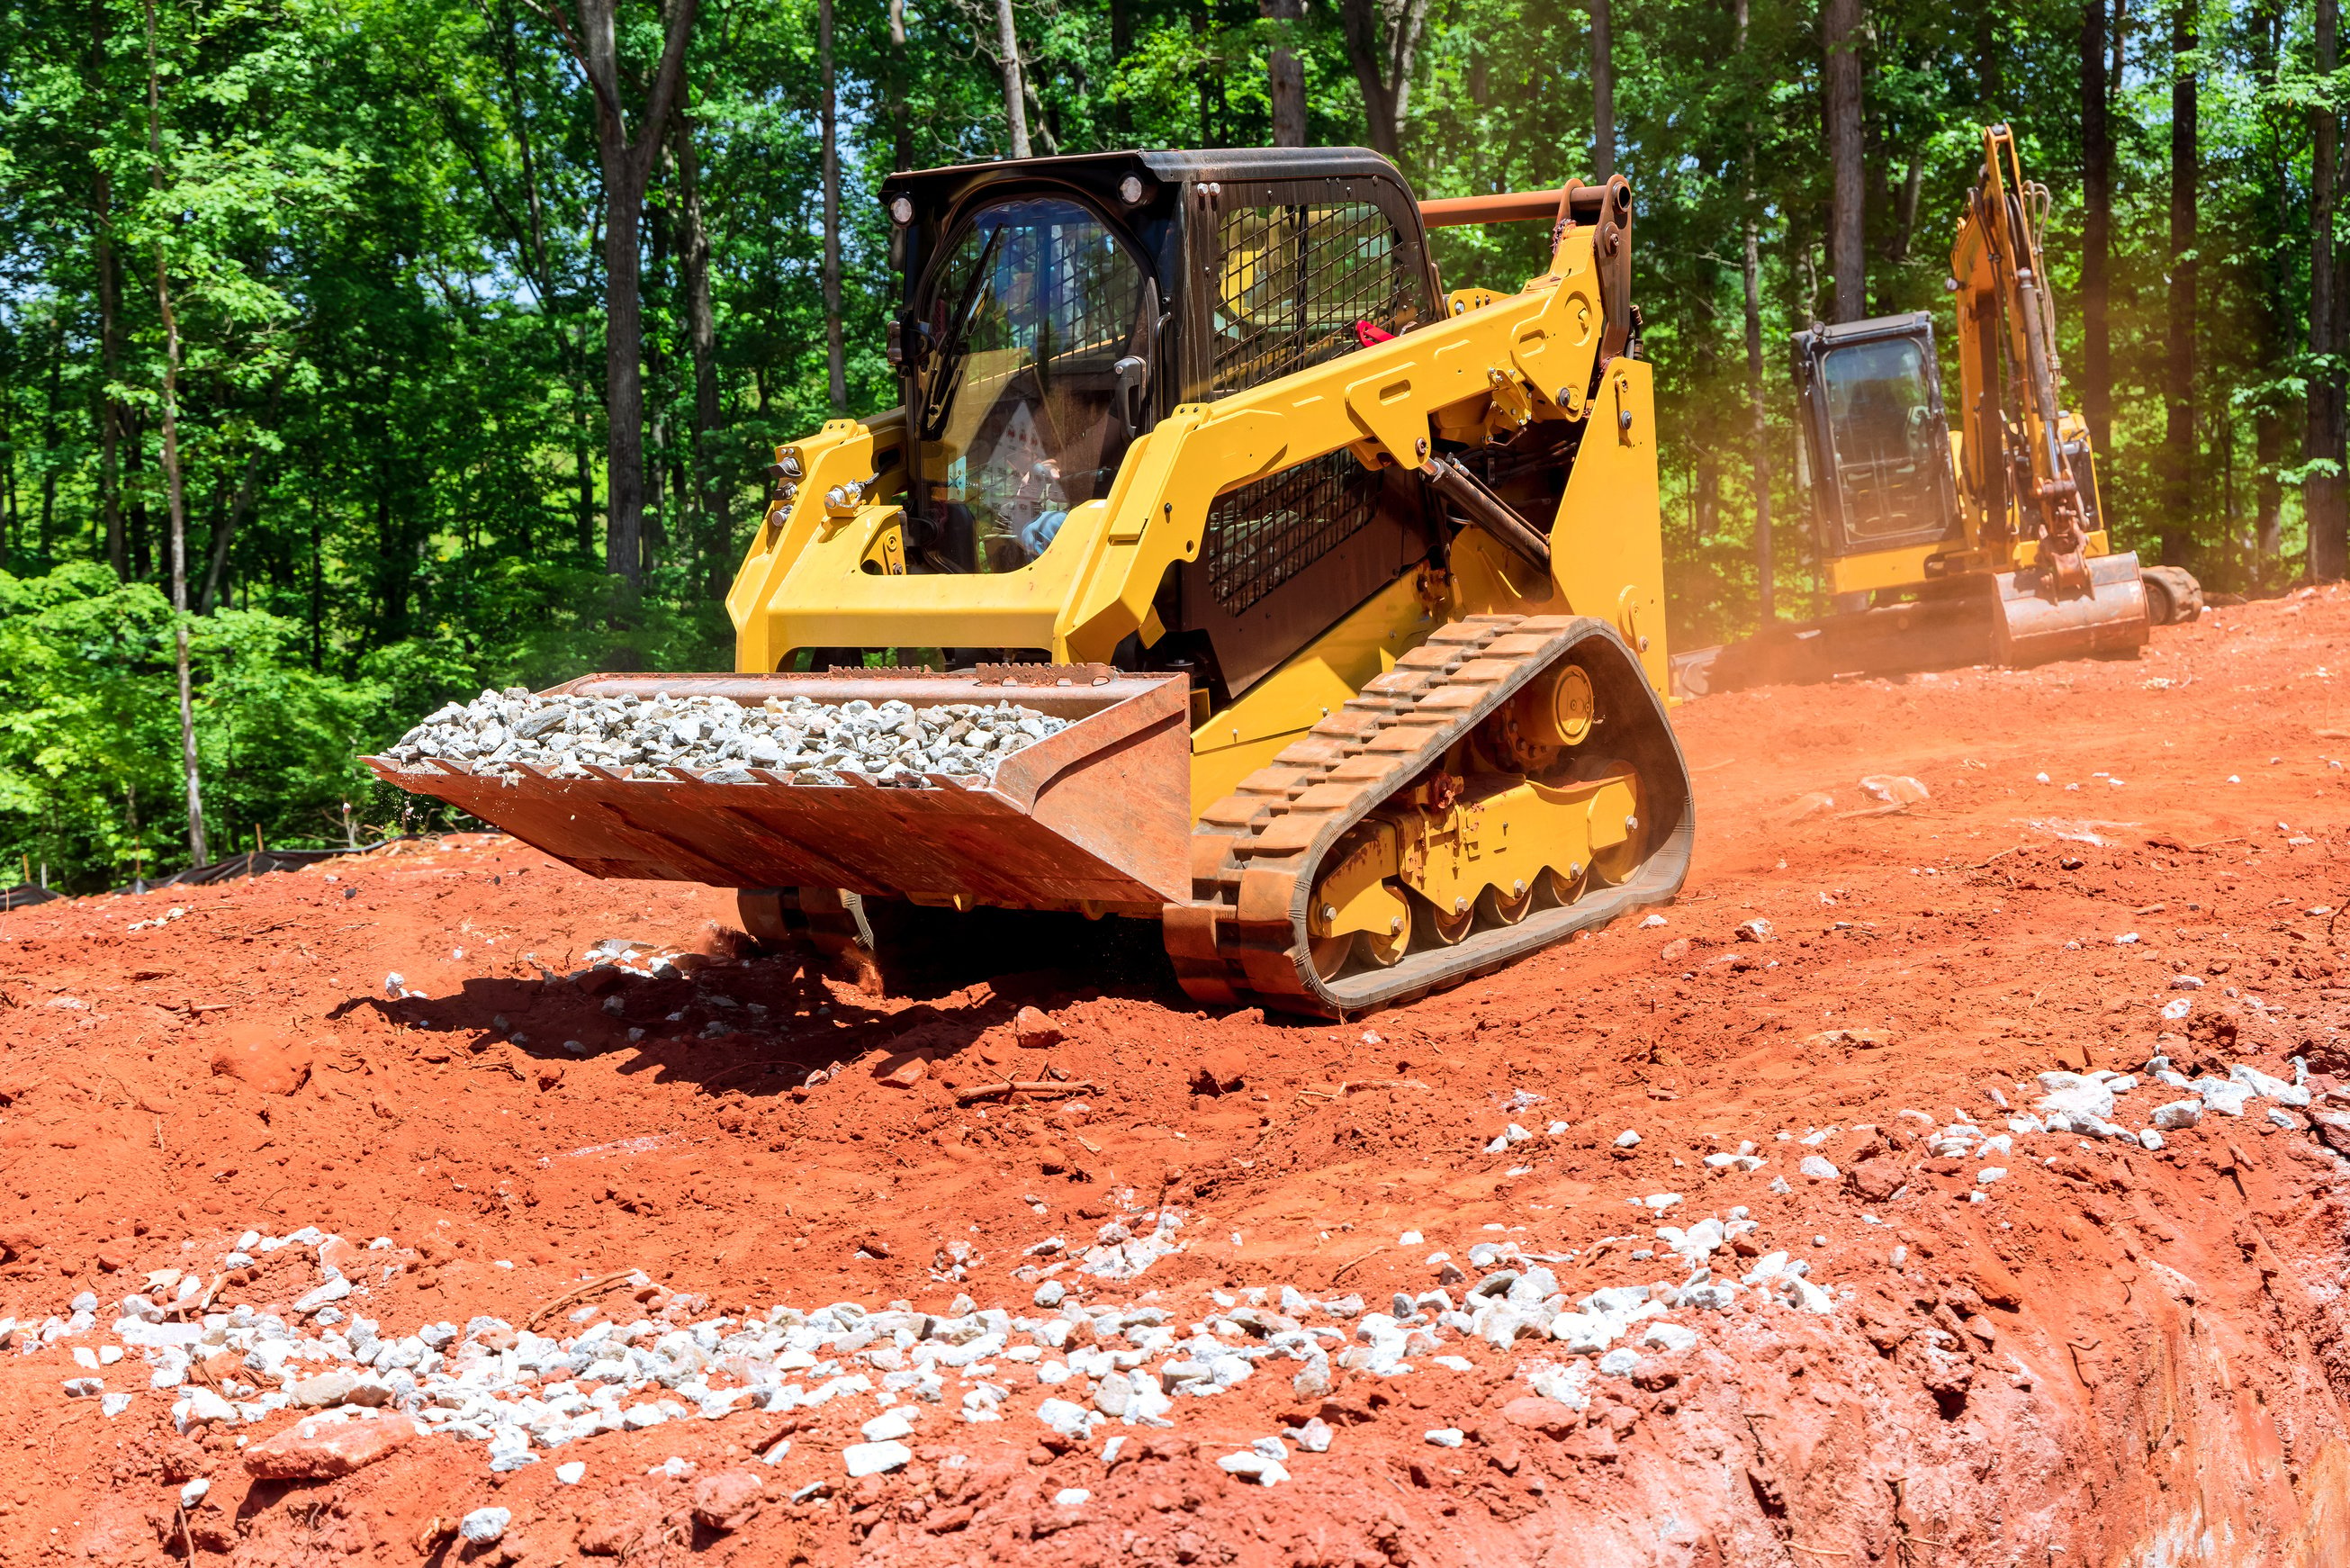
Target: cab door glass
pixel 1890 449
pixel 1039 322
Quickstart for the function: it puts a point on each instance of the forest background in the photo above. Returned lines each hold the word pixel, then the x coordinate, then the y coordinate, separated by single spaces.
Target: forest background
pixel 459 332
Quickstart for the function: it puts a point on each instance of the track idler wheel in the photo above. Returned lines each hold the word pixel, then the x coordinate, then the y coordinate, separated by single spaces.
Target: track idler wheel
pixel 1613 865
pixel 1359 916
pixel 1495 907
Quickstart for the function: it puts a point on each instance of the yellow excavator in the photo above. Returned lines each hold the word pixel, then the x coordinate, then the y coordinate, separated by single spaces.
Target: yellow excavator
pixel 1985 545
pixel 1349 588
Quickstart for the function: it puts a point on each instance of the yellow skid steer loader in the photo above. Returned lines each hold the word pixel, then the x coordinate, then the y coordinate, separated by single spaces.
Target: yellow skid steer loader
pixel 1348 589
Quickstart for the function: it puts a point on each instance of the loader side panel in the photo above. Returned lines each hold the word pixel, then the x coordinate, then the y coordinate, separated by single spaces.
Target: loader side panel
pixel 1607 546
pixel 1288 276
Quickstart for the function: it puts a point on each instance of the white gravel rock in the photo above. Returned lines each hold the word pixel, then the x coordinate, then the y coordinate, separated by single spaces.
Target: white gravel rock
pixel 720 738
pixel 1314 1436
pixel 2269 1089
pixel 485 1526
pixel 2072 1095
pixel 875 1459
pixel 1669 1337
pixel 1256 1467
pixel 2219 1095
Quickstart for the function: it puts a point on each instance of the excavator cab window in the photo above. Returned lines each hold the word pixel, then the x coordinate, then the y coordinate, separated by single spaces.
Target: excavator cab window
pixel 1305 274
pixel 1876 434
pixel 1886 445
pixel 1037 324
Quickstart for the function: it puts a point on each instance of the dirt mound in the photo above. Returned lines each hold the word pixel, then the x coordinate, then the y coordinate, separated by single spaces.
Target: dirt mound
pixel 1738 1238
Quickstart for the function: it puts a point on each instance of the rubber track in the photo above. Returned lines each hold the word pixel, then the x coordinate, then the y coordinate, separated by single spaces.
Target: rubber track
pixel 1241 939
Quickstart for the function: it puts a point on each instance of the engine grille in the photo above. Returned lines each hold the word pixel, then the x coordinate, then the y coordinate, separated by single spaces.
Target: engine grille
pixel 1263 534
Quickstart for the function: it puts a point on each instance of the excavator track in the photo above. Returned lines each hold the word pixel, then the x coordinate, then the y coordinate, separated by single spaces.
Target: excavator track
pixel 1244 936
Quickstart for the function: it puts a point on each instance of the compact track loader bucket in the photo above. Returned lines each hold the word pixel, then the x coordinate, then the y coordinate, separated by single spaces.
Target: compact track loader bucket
pixel 1094 817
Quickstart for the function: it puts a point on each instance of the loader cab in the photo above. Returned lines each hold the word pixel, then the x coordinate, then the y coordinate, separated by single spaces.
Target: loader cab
pixel 1876 441
pixel 1053 310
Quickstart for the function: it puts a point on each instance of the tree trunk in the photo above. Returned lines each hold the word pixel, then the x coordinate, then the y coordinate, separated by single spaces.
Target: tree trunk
pixel 1287 72
pixel 1602 96
pixel 2268 499
pixel 1758 404
pixel 318 576
pixel 134 483
pixel 50 437
pixel 836 362
pixel 1016 97
pixel 1382 50
pixel 1905 211
pixel 624 386
pixel 2179 358
pixel 2324 494
pixel 226 535
pixel 2097 236
pixel 656 373
pixel 1840 25
pixel 1987 59
pixel 893 92
pixel 109 409
pixel 626 162
pixel 174 489
pixel 702 333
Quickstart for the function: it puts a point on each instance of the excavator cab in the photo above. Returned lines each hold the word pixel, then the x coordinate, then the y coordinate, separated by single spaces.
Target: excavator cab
pixel 1985 543
pixel 1876 448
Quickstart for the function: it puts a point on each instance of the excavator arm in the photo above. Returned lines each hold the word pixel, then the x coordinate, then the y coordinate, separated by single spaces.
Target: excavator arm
pixel 2041 487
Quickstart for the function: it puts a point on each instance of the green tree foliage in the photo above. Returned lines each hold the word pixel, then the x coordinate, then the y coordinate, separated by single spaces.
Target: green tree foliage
pixel 382 218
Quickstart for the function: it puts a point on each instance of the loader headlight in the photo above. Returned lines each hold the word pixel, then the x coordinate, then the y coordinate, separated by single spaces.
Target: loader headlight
pixel 901 211
pixel 1131 191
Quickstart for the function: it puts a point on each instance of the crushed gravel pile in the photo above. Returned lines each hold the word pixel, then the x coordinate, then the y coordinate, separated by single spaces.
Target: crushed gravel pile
pixel 720 739
pixel 1075 1364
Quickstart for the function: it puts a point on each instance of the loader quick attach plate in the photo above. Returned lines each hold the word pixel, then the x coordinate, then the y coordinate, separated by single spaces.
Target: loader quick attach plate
pixel 1244 935
pixel 1094 817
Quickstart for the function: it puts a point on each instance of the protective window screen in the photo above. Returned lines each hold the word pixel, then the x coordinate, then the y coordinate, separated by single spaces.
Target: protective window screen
pixel 1263 534
pixel 1303 283
pixel 1890 451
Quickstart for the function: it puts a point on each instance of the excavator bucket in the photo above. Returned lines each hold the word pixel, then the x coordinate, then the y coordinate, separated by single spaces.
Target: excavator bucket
pixel 2108 621
pixel 1985 618
pixel 1094 817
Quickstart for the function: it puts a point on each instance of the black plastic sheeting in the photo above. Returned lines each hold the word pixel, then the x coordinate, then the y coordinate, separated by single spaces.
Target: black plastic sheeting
pixel 253 863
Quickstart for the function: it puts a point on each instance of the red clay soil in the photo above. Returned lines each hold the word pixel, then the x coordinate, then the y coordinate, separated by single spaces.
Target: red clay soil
pixel 2120 1356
